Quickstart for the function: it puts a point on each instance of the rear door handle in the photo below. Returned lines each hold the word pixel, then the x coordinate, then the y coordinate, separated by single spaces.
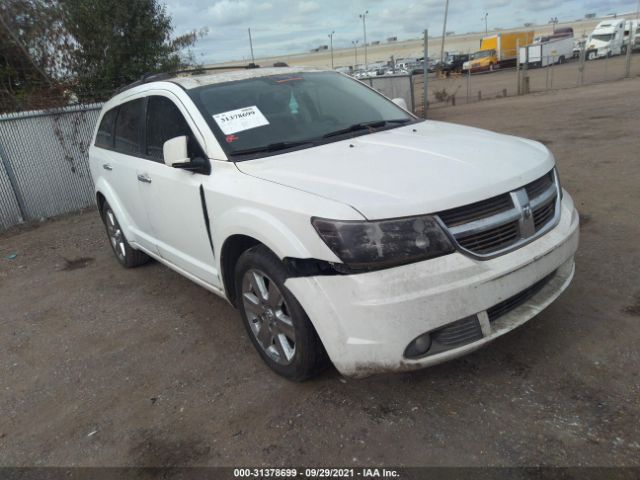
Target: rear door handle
pixel 144 178
pixel 107 166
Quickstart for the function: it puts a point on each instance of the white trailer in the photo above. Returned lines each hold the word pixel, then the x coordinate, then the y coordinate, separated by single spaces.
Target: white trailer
pixel 541 54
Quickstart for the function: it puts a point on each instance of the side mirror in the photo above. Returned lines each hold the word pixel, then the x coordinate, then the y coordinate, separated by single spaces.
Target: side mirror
pixel 175 155
pixel 175 151
pixel 400 102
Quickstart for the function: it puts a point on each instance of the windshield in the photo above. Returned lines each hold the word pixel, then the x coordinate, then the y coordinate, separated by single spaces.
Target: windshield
pixel 261 115
pixel 482 54
pixel 603 37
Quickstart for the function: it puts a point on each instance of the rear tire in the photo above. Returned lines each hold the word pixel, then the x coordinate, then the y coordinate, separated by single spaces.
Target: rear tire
pixel 127 256
pixel 276 323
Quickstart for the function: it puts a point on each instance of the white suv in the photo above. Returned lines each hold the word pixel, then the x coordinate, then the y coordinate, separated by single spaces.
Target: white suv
pixel 339 224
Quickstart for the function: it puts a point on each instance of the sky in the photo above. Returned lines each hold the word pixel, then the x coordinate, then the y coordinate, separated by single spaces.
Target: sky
pixel 281 27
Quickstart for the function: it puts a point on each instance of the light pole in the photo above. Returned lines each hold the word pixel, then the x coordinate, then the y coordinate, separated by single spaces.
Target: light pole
pixel 363 16
pixel 554 22
pixel 444 31
pixel 355 47
pixel 331 43
pixel 486 28
pixel 253 61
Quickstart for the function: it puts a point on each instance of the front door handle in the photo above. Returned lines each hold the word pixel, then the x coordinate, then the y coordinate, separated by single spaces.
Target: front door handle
pixel 107 166
pixel 144 178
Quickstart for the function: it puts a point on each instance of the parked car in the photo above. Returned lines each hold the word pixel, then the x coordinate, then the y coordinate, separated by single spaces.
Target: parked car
pixel 341 226
pixel 454 62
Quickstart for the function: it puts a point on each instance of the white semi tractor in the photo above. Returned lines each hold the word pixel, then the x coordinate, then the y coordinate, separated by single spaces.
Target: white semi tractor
pixel 611 37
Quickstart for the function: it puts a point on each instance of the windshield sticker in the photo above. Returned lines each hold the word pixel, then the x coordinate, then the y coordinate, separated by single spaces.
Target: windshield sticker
pixel 240 120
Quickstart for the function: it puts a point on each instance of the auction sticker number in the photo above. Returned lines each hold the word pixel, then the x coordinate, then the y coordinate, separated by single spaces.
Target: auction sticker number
pixel 235 121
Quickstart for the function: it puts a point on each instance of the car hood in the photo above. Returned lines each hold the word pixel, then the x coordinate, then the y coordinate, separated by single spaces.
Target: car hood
pixel 416 169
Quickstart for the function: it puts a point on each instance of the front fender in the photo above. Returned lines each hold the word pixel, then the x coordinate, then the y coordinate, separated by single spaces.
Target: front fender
pixel 278 235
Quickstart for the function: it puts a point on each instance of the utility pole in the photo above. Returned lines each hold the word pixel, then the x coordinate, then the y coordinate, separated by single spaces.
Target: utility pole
pixel 331 43
pixel 554 22
pixel 444 30
pixel 355 46
pixel 363 16
pixel 251 46
pixel 486 27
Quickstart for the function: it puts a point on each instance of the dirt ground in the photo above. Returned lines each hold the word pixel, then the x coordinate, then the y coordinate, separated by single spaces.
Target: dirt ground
pixel 103 366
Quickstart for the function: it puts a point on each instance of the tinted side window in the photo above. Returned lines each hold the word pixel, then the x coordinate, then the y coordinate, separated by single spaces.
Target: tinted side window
pixel 164 122
pixel 104 137
pixel 129 127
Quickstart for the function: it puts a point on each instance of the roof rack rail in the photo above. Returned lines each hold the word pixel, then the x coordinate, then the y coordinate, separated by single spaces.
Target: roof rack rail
pixel 154 77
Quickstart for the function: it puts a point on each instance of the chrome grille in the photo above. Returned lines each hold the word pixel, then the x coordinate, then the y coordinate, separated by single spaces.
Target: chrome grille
pixel 491 240
pixel 483 209
pixel 505 222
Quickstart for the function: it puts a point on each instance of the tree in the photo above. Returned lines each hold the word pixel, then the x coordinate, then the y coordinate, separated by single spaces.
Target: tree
pixel 115 42
pixel 33 52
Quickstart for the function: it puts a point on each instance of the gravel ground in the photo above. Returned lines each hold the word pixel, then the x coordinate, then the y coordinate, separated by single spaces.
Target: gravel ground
pixel 104 366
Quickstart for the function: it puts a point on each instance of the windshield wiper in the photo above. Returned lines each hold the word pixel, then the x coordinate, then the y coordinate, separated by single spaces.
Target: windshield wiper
pixel 366 126
pixel 272 147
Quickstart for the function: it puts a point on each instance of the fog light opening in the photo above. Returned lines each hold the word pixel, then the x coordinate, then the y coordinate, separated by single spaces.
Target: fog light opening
pixel 418 347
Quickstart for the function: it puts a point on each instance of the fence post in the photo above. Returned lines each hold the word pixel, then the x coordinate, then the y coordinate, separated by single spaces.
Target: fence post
pixel 525 72
pixel 13 181
pixel 627 63
pixel 518 67
pixel 426 71
pixel 581 65
pixel 547 79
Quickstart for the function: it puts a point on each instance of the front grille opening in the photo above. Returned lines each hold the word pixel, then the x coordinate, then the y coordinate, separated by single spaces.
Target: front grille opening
pixel 476 211
pixel 543 215
pixel 492 240
pixel 518 299
pixel 539 186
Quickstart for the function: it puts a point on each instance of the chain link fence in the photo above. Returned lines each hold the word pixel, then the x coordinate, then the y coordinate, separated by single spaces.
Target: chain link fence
pixel 462 89
pixel 44 163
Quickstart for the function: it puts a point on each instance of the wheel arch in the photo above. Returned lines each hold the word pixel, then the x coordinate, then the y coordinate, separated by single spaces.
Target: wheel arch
pixel 232 248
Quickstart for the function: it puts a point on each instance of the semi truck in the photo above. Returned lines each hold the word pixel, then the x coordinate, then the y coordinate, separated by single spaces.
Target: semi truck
pixel 607 39
pixel 632 34
pixel 498 51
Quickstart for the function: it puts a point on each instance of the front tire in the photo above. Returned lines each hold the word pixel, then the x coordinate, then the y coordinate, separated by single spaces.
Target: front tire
pixel 127 256
pixel 277 325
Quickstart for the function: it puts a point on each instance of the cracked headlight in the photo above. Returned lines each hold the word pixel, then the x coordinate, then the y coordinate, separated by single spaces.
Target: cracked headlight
pixel 363 245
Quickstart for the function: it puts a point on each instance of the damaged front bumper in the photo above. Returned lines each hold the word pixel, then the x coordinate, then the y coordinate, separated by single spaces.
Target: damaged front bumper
pixel 366 321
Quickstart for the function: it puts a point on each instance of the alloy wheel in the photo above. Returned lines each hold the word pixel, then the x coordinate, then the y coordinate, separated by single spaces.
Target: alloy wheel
pixel 268 316
pixel 116 237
